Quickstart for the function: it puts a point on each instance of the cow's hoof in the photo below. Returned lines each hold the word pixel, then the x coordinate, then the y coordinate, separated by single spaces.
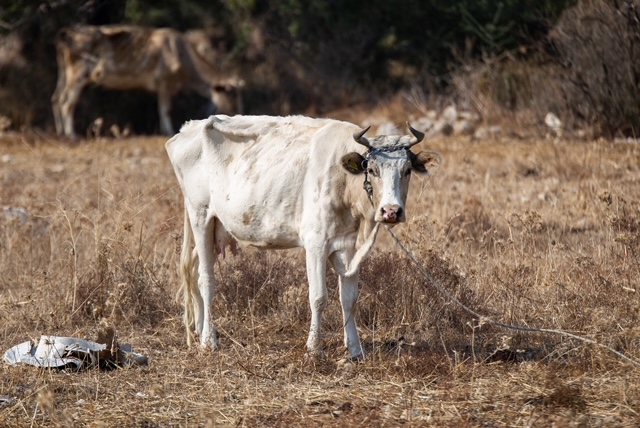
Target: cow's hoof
pixel 314 356
pixel 351 360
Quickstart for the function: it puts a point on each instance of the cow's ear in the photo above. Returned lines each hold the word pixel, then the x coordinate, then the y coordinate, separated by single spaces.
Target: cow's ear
pixel 354 163
pixel 425 161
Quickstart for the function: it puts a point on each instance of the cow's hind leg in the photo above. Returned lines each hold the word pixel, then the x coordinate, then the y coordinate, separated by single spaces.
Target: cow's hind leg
pixel 348 298
pixel 203 234
pixel 164 110
pixel 55 107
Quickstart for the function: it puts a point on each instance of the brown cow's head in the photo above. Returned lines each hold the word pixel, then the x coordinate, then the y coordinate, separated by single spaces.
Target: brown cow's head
pixel 227 96
pixel 387 167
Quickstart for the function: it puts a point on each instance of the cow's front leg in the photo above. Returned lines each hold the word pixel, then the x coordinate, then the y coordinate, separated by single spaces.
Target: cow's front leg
pixel 68 99
pixel 348 298
pixel 316 274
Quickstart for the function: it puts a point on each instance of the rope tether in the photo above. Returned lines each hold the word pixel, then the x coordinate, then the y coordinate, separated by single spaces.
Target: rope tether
pixel 483 319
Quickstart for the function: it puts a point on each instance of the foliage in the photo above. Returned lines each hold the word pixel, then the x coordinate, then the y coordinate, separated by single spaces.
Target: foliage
pixel 597 44
pixel 361 36
pixel 415 31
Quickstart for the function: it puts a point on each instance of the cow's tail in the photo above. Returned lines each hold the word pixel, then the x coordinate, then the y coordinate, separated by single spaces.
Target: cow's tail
pixel 188 277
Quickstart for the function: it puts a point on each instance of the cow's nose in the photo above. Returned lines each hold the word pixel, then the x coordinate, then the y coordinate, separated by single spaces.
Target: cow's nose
pixel 391 213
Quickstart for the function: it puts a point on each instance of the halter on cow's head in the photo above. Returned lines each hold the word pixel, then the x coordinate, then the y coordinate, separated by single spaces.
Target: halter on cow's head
pixel 387 166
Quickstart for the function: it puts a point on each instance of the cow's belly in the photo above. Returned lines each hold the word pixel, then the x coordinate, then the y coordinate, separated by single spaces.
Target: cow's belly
pixel 261 232
pixel 267 219
pixel 125 81
pixel 257 192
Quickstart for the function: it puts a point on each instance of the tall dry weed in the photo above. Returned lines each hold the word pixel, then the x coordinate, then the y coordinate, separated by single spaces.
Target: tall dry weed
pixel 86 244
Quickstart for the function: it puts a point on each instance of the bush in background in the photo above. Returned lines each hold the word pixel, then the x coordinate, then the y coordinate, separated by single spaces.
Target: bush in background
pixel 598 43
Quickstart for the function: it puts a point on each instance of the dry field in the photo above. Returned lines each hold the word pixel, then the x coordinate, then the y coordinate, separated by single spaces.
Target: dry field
pixel 523 230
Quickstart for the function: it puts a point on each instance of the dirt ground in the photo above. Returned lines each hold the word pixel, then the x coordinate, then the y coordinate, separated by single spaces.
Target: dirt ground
pixel 529 231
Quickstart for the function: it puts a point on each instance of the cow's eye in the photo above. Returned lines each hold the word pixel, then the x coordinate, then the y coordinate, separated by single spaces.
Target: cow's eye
pixel 407 172
pixel 372 172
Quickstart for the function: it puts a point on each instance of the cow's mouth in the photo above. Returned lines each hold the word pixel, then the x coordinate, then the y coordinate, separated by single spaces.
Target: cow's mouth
pixel 391 214
pixel 391 223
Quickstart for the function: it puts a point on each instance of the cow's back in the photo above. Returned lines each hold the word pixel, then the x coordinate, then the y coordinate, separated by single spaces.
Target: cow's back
pixel 126 56
pixel 260 141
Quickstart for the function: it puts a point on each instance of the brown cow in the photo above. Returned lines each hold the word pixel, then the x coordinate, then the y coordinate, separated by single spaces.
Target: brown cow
pixel 160 60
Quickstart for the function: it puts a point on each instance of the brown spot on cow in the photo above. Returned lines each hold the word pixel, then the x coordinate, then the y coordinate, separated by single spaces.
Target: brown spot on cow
pixel 247 218
pixel 227 161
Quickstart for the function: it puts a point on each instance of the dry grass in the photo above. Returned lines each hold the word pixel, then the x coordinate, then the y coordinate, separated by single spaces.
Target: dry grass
pixel 533 232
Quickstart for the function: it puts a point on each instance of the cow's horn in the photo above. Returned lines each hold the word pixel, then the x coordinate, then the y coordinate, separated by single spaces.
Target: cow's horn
pixel 359 137
pixel 417 136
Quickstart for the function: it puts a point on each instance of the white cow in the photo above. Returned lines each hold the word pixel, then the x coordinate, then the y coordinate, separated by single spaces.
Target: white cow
pixel 160 60
pixel 285 182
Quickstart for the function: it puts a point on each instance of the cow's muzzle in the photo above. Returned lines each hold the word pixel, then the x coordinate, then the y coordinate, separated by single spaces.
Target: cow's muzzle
pixel 392 213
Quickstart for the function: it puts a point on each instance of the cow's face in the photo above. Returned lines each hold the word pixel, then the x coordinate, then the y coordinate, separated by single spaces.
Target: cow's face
pixel 227 96
pixel 387 168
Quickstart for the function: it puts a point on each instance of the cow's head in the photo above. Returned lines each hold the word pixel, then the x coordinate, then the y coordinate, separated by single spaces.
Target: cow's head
pixel 387 167
pixel 227 96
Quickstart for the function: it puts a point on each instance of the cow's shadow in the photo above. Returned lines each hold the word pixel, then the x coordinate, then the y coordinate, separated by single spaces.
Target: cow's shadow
pixel 136 110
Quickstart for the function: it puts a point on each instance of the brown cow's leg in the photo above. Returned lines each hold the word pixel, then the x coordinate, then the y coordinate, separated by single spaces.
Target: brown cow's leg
pixel 57 95
pixel 68 100
pixel 164 108
pixel 55 107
